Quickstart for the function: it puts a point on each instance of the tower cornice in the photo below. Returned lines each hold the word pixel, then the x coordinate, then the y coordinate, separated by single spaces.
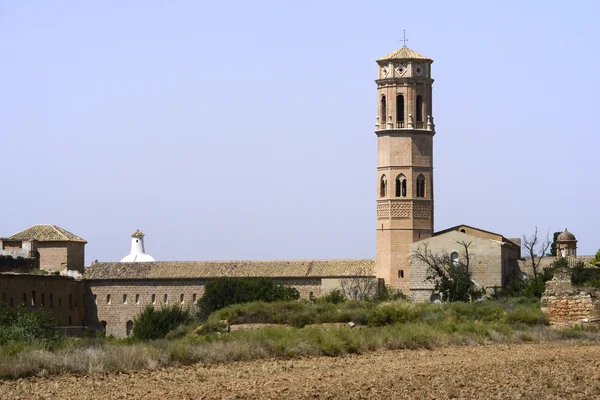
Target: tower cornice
pixel 404 132
pixel 405 81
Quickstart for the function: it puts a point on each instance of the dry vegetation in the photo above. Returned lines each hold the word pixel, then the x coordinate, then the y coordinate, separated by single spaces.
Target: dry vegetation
pixel 557 370
pixel 385 326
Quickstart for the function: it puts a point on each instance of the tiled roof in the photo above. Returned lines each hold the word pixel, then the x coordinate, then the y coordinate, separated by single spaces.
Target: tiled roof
pixel 404 53
pixel 216 269
pixel 46 233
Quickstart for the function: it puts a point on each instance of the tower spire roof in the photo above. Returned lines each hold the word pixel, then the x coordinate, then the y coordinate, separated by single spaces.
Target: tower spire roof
pixel 404 53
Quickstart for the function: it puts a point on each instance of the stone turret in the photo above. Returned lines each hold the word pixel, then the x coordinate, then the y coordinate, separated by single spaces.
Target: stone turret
pixel 566 245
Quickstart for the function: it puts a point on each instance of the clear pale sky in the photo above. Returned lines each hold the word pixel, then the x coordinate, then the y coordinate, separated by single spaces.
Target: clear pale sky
pixel 244 130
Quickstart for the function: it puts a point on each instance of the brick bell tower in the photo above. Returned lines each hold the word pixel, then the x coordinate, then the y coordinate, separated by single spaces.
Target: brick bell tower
pixel 405 130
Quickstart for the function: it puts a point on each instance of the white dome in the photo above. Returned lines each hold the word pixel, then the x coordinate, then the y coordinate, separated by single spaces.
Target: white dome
pixel 143 257
pixel 138 252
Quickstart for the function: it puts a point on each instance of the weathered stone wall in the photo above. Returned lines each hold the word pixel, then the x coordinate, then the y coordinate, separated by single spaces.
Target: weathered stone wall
pixel 563 302
pixel 76 256
pixel 110 304
pixel 53 256
pixel 61 296
pixel 490 263
pixel 17 248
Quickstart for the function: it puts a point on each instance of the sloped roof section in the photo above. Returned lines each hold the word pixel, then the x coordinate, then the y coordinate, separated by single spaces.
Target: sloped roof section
pixel 404 53
pixel 217 269
pixel 46 233
pixel 478 232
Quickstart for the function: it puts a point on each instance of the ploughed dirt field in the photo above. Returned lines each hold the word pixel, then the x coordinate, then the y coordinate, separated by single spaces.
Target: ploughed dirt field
pixel 560 370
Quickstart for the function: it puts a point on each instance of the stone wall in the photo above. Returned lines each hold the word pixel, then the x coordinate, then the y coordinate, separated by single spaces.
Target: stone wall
pixel 563 302
pixel 61 296
pixel 53 256
pixel 490 262
pixel 111 304
pixel 76 256
pixel 17 248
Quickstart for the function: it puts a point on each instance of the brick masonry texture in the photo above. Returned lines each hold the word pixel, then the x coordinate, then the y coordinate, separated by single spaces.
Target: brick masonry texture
pixel 490 261
pixel 112 303
pixel 61 296
pixel 563 302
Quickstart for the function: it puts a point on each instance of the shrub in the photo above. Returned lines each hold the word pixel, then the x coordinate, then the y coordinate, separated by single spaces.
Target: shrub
pixel 222 292
pixel 582 275
pixel 394 313
pixel 334 297
pixel 154 323
pixel 391 294
pixel 32 328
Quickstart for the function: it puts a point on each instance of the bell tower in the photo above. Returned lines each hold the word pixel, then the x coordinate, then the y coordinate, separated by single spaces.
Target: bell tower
pixel 405 131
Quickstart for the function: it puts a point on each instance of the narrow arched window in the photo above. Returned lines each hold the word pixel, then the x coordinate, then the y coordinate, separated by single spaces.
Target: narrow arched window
pixel 401 186
pixel 454 258
pixel 103 324
pixel 383 186
pixel 129 328
pixel 420 186
pixel 400 111
pixel 383 111
pixel 419 110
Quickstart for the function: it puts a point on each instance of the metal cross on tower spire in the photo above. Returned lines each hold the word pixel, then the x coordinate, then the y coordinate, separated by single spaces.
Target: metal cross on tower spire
pixel 404 39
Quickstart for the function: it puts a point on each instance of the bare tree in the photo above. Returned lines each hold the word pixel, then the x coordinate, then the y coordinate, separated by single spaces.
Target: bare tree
pixel 450 276
pixel 533 246
pixel 362 286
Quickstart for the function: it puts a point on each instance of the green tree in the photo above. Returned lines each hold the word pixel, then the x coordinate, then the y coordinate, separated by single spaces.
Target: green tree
pixel 450 276
pixel 223 292
pixel 553 245
pixel 596 259
pixel 154 323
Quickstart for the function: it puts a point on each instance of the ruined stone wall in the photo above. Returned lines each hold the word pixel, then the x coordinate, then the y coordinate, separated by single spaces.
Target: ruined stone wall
pixel 563 302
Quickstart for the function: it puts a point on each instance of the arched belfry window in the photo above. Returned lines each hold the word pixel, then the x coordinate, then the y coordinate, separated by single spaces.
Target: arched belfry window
pixel 383 110
pixel 383 186
pixel 401 186
pixel 399 109
pixel 420 186
pixel 419 110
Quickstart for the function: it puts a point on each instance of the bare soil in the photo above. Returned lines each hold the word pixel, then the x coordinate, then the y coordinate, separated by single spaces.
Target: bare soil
pixel 559 370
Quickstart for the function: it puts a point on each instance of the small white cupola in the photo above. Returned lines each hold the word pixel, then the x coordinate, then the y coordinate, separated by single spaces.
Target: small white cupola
pixel 138 253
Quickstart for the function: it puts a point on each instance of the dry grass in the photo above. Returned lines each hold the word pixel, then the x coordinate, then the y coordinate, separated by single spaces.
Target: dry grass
pixel 392 325
pixel 271 342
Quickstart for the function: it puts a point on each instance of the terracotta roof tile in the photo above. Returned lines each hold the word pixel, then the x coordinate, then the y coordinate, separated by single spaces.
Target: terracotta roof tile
pixel 46 233
pixel 215 269
pixel 404 53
